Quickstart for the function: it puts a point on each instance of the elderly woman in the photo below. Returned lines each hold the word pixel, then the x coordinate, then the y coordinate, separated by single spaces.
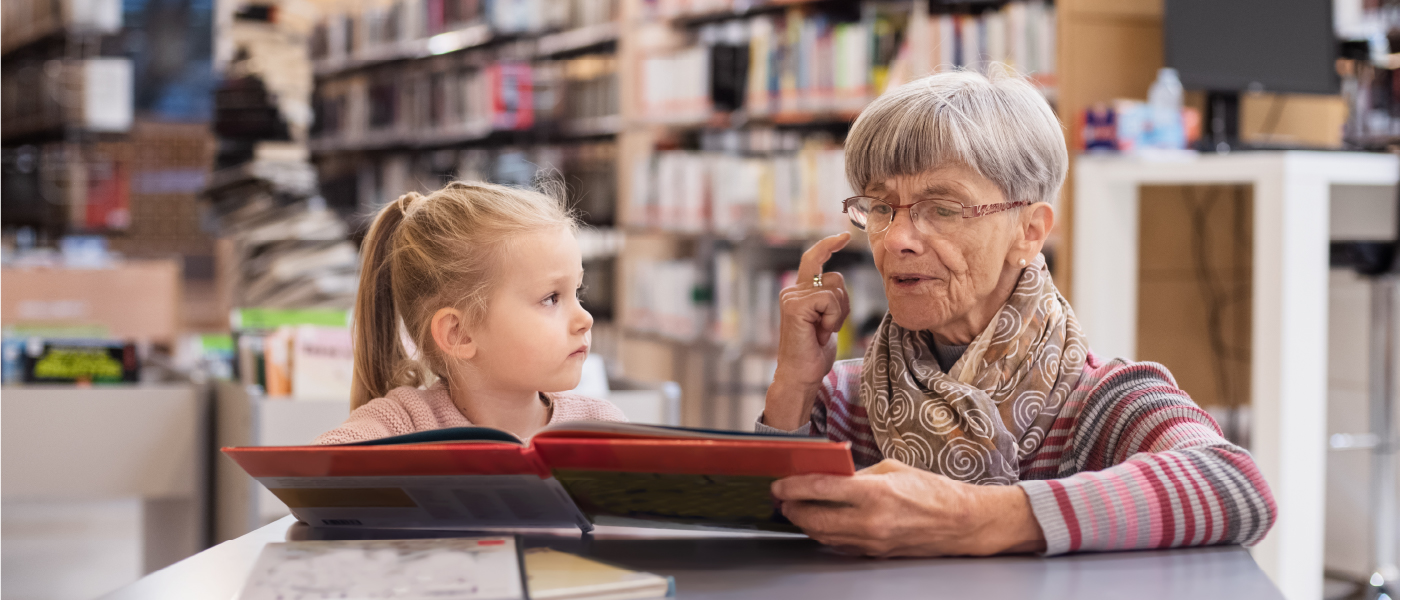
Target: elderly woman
pixel 983 421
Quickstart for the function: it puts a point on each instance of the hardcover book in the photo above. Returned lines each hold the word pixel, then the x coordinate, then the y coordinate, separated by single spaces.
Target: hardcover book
pixel 568 475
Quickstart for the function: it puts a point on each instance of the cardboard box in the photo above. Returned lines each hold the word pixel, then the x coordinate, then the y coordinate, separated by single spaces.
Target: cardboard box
pixel 137 300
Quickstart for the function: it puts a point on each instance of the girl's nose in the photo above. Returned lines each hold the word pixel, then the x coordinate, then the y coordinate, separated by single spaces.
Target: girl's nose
pixel 583 321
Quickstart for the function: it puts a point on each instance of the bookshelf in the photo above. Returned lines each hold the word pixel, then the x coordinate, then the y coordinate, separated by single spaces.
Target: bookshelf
pixel 412 93
pixel 730 165
pixel 704 134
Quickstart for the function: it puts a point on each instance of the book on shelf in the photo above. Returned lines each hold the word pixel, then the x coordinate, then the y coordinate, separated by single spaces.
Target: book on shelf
pixel 461 98
pixel 797 193
pixel 571 474
pixel 809 62
pixel 25 21
pixel 93 94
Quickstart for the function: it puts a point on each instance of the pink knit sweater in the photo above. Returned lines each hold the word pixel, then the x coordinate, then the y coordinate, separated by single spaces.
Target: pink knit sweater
pixel 406 410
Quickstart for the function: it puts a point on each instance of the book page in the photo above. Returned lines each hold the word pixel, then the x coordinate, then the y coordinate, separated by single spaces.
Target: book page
pixel 433 569
pixel 428 502
pixel 634 430
pixel 551 574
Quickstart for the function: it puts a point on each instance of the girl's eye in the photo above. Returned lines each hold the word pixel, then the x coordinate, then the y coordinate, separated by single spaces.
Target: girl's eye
pixel 551 299
pixel 579 292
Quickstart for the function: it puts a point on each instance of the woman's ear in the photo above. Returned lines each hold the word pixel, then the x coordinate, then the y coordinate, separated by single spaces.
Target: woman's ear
pixel 450 333
pixel 1036 222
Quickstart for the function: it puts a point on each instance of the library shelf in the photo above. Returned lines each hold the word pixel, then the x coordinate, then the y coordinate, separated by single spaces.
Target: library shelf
pixel 464 136
pixel 757 8
pixel 578 39
pixel 471 36
pixel 478 35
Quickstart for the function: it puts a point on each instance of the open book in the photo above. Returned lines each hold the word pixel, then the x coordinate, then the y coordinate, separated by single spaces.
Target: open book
pixel 569 474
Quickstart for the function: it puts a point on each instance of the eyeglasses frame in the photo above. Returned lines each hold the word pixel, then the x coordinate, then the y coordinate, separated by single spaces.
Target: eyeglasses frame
pixel 968 212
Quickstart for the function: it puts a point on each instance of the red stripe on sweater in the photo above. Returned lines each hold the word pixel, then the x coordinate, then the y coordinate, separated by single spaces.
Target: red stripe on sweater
pixel 1160 430
pixel 1193 475
pixel 1164 508
pixel 1097 452
pixel 1067 513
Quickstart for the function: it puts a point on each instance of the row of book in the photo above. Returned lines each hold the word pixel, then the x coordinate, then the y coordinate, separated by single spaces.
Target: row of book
pixel 798 61
pixel 304 362
pixel 791 194
pixel 805 63
pixel 732 302
pixel 461 98
pixel 25 21
pixel 586 170
pixel 293 353
pixel 401 27
pixel 1021 35
pixel 92 94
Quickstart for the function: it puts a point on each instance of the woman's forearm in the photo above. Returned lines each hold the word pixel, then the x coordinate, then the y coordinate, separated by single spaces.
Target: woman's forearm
pixel 788 406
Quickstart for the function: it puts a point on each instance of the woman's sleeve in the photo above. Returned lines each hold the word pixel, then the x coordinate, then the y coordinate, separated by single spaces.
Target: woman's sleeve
pixel 839 384
pixel 1139 465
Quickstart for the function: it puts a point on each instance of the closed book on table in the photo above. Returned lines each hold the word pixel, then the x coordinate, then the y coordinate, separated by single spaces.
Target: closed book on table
pixel 569 475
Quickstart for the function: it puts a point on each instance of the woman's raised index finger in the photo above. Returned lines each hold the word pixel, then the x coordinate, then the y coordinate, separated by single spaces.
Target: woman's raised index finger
pixel 818 255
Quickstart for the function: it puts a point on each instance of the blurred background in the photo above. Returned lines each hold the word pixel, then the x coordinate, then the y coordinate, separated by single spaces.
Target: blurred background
pixel 186 184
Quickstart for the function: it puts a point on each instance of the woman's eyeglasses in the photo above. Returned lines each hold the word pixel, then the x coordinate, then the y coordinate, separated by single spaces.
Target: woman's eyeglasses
pixel 931 217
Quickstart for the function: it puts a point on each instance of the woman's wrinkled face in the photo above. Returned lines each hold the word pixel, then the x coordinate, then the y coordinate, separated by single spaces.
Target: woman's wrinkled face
pixel 934 279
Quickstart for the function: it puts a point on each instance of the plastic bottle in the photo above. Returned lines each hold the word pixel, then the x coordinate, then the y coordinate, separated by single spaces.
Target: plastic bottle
pixel 1165 108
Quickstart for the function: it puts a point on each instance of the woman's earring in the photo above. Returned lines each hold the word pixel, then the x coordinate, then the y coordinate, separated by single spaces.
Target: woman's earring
pixel 1022 262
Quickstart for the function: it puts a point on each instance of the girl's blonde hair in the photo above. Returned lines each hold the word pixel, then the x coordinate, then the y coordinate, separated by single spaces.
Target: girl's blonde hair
pixel 424 253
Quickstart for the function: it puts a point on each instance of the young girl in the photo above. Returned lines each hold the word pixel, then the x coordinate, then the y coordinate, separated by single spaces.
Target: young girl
pixel 484 280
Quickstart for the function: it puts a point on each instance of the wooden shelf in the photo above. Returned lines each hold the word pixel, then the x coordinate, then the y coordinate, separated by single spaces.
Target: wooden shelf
pixel 577 130
pixel 478 35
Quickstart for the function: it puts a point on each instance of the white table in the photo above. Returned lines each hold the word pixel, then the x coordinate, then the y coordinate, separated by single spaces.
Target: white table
pixel 740 566
pixel 1289 321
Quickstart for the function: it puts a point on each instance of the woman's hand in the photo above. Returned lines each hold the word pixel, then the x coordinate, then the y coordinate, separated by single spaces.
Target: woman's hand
pixel 811 316
pixel 893 509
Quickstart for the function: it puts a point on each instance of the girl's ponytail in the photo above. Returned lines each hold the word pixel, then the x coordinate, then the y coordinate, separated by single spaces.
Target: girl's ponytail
pixel 379 353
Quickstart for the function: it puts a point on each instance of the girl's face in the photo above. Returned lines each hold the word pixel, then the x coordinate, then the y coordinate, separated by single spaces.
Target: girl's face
pixel 536 335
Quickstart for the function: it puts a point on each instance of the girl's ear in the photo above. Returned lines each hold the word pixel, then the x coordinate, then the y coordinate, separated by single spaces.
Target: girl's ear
pixel 450 333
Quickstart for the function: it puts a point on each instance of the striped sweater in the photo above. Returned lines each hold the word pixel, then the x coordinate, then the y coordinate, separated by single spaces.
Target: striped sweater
pixel 1130 463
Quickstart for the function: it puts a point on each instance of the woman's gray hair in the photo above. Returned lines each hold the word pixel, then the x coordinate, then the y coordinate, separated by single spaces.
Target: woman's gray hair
pixel 997 124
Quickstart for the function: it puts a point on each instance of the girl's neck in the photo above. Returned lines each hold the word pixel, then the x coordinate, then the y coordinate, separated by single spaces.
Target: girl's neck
pixel 520 413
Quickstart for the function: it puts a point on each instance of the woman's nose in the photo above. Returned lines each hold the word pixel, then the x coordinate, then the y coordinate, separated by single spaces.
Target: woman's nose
pixel 902 236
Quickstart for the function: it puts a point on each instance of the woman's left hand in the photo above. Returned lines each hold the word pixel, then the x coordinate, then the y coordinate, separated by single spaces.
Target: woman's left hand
pixel 893 509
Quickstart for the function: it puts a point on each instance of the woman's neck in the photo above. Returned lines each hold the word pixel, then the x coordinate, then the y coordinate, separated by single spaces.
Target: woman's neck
pixel 520 413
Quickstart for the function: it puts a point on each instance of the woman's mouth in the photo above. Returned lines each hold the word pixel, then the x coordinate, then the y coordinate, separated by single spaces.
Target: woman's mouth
pixel 908 280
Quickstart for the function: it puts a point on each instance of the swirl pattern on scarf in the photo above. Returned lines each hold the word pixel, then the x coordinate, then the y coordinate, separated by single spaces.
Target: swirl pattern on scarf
pixel 978 421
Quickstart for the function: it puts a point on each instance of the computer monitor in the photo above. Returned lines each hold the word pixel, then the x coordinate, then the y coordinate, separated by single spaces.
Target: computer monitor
pixel 1226 47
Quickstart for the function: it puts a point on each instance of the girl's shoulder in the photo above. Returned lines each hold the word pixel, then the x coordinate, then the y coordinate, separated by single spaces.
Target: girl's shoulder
pixel 402 410
pixel 569 406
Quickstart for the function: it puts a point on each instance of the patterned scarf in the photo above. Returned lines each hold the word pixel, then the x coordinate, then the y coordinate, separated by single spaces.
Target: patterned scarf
pixel 976 422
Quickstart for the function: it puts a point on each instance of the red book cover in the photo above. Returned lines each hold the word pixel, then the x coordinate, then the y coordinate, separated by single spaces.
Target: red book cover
pixel 572 473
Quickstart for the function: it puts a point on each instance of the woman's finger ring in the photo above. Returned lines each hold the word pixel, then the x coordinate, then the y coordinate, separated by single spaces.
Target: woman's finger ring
pixel 817 280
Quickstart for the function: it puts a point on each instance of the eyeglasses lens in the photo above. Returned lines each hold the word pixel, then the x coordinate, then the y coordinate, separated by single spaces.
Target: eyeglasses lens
pixel 930 216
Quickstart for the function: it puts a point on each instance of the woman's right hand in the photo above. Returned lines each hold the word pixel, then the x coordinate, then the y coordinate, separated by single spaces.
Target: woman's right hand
pixel 807 344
